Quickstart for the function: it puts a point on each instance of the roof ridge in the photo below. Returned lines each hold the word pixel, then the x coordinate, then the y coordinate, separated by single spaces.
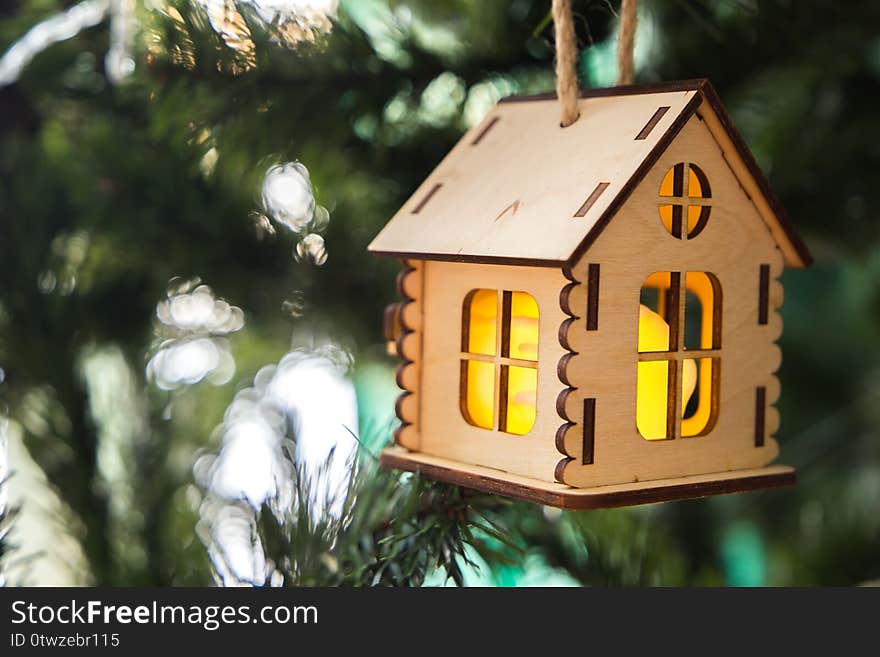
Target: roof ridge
pixel 695 84
pixel 636 178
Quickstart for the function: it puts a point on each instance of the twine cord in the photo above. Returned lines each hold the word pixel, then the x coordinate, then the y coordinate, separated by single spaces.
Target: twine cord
pixel 567 55
pixel 566 62
pixel 625 42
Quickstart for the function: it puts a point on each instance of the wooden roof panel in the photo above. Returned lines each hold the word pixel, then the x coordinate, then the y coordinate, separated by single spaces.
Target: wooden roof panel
pixel 518 188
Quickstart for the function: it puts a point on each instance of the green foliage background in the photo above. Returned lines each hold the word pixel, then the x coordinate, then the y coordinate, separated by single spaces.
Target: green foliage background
pixel 106 190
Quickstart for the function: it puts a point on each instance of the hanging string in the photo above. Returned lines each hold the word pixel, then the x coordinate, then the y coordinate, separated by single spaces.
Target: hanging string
pixel 625 41
pixel 566 62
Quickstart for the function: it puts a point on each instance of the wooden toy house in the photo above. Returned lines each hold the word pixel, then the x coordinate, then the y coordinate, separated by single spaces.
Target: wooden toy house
pixel 590 312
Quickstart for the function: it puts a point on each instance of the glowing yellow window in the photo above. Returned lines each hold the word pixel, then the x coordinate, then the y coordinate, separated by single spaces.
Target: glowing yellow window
pixel 685 195
pixel 679 355
pixel 499 360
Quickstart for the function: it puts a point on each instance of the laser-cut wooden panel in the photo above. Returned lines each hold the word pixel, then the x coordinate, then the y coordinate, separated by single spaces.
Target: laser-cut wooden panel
pixel 732 246
pixel 501 162
pixel 408 374
pixel 521 154
pixel 444 432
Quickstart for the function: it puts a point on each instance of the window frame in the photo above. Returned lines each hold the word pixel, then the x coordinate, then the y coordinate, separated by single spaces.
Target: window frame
pixel 500 359
pixel 680 201
pixel 671 305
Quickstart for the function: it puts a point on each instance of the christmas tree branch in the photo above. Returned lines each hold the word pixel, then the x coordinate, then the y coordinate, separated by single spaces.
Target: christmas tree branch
pixel 393 530
pixel 7 516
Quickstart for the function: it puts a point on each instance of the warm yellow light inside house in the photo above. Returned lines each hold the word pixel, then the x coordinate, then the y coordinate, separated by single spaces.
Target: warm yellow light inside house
pixel 480 393
pixel 482 322
pixel 522 385
pixel 652 392
pixel 694 190
pixel 703 287
pixel 500 391
pixel 523 326
pixel 667 185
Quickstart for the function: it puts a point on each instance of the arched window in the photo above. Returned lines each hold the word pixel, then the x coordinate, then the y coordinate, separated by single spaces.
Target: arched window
pixel 679 355
pixel 499 360
pixel 684 200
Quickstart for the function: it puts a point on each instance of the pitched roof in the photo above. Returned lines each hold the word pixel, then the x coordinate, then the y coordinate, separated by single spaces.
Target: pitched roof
pixel 496 196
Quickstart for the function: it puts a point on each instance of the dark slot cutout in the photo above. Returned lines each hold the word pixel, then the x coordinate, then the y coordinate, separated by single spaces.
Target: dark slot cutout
pixel 591 199
pixel 673 310
pixel 676 221
pixel 678 180
pixel 672 403
pixel 589 431
pixel 652 123
pixel 506 304
pixel 593 297
pixel 760 414
pixel 502 397
pixel 764 294
pixel 485 131
pixel 427 198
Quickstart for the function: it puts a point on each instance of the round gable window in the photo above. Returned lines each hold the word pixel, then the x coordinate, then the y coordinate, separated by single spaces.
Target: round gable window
pixel 684 200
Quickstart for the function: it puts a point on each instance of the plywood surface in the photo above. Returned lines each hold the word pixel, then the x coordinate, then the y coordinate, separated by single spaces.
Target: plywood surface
pixel 508 191
pixel 514 194
pixel 603 364
pixel 444 431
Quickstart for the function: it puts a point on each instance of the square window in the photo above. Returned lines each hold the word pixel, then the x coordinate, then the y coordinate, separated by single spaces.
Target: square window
pixel 499 363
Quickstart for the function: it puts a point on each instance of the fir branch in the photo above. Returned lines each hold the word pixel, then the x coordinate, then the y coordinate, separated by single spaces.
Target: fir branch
pixel 394 530
pixel 7 516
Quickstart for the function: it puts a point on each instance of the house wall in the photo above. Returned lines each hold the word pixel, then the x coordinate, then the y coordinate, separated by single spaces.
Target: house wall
pixel 441 427
pixel 603 364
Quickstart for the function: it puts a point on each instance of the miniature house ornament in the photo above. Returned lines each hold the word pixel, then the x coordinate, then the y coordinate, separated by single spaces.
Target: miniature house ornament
pixel 590 313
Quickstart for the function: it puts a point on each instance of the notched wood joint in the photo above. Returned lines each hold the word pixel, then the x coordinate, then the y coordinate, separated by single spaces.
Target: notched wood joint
pixel 560 470
pixel 592 297
pixel 565 299
pixel 485 131
pixel 760 415
pixel 564 329
pixel 562 369
pixel 589 430
pixel 561 399
pixel 764 294
pixel 591 199
pixel 652 122
pixel 398 433
pixel 428 196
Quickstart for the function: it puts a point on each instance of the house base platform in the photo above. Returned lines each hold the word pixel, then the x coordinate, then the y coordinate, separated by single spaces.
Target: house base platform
pixel 489 480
